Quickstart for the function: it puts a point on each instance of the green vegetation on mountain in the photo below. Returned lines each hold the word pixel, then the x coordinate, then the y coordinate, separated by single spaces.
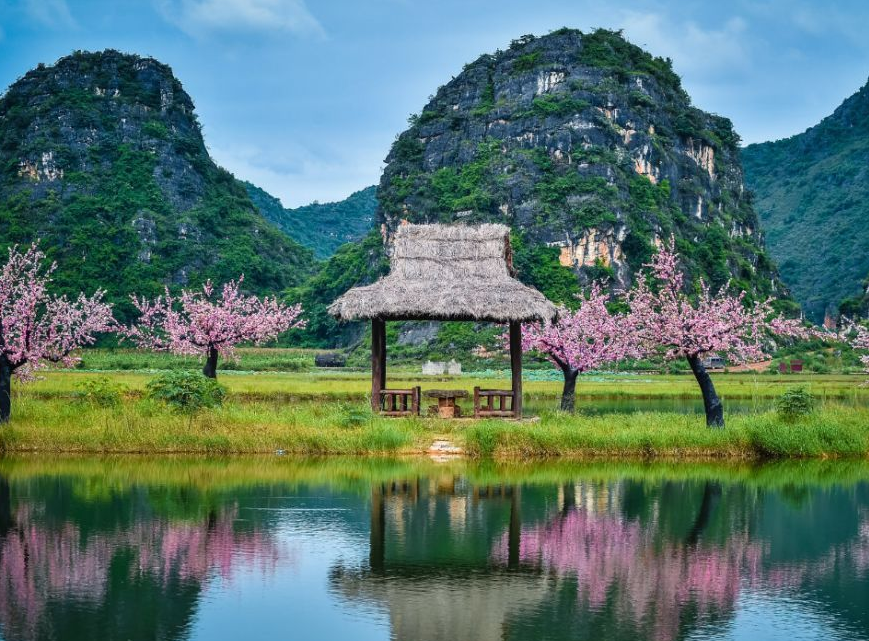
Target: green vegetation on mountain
pixel 591 150
pixel 321 226
pixel 812 195
pixel 102 158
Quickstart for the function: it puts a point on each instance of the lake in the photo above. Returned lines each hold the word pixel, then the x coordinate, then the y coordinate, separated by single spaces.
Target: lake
pixel 347 548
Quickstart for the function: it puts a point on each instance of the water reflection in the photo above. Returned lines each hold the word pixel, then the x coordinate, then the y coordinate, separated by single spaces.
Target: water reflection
pixel 199 549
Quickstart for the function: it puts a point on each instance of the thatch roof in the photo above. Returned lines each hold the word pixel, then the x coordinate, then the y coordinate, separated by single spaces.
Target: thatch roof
pixel 447 272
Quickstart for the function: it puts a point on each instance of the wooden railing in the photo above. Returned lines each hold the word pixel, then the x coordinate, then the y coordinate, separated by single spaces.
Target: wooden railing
pixel 494 402
pixel 400 402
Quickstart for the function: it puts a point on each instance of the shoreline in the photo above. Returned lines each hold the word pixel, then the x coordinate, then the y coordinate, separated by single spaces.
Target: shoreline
pixel 143 427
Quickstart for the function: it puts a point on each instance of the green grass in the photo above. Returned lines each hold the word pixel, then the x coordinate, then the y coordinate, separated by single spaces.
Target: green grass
pixel 249 359
pixel 829 432
pixel 333 427
pixel 354 385
pixel 325 412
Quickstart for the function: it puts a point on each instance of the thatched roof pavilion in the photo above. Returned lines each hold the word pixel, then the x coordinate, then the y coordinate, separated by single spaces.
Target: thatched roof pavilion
pixel 446 272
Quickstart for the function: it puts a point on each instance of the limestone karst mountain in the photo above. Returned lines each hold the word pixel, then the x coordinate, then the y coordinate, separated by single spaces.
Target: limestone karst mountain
pixel 102 157
pixel 591 150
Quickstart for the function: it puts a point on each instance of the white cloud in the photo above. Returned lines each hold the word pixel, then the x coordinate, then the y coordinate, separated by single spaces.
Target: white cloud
pixel 694 50
pixel 200 17
pixel 50 13
pixel 299 175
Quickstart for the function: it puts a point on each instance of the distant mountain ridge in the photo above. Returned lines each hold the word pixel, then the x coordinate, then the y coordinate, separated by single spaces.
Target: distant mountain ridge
pixel 321 226
pixel 812 196
pixel 102 158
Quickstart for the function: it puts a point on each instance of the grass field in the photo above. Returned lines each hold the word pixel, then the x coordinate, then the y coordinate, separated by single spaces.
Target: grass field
pixel 325 412
pixel 342 385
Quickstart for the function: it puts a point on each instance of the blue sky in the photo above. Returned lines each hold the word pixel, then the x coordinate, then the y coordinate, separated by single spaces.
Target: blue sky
pixel 304 97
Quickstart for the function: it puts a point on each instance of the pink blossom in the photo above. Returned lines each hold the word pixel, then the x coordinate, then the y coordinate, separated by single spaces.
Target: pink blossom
pixel 859 340
pixel 584 339
pixel 665 317
pixel 197 322
pixel 37 327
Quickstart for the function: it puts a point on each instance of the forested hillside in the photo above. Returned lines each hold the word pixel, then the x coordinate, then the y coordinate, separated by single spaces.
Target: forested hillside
pixel 321 226
pixel 812 195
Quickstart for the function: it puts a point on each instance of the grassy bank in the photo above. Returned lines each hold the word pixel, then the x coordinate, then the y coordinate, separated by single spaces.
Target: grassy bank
pixel 142 426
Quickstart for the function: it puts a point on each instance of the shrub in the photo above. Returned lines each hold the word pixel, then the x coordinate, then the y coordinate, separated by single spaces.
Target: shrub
pixel 100 392
pixel 526 62
pixel 795 403
pixel 186 391
pixel 354 416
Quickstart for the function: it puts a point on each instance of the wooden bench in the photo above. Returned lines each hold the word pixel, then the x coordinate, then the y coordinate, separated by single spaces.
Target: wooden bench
pixel 494 402
pixel 400 402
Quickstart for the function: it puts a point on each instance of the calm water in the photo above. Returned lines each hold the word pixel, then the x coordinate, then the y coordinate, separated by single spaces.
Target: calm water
pixel 276 548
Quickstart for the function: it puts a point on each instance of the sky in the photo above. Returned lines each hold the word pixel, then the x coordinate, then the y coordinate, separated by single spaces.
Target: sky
pixel 304 97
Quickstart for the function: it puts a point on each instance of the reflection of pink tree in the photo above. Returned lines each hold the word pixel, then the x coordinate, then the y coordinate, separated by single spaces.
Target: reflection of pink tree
pixel 652 582
pixel 39 563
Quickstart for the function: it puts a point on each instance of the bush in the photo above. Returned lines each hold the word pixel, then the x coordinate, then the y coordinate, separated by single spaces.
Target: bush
pixel 795 403
pixel 186 391
pixel 100 392
pixel 353 416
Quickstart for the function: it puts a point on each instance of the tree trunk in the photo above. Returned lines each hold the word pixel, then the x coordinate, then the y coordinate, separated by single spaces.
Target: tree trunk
pixel 5 508
pixel 210 369
pixel 5 389
pixel 711 493
pixel 568 394
pixel 711 402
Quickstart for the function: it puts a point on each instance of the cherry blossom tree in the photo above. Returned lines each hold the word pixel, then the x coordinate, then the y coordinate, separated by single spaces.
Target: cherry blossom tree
pixel 37 327
pixel 581 340
pixel 666 319
pixel 200 323
pixel 858 338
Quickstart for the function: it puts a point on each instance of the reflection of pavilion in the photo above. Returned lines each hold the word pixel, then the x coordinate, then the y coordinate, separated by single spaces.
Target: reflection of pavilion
pixel 452 561
pixel 430 560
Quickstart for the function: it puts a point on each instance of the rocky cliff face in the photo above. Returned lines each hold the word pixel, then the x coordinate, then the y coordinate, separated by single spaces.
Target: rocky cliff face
pixel 590 149
pixel 101 157
pixel 812 194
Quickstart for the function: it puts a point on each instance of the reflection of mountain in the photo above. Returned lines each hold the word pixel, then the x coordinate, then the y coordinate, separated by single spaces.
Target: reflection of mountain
pixel 62 579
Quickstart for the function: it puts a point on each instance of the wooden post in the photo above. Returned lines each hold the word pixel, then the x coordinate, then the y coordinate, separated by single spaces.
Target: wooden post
pixel 378 361
pixel 415 406
pixel 476 402
pixel 516 366
pixel 514 530
pixel 377 537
